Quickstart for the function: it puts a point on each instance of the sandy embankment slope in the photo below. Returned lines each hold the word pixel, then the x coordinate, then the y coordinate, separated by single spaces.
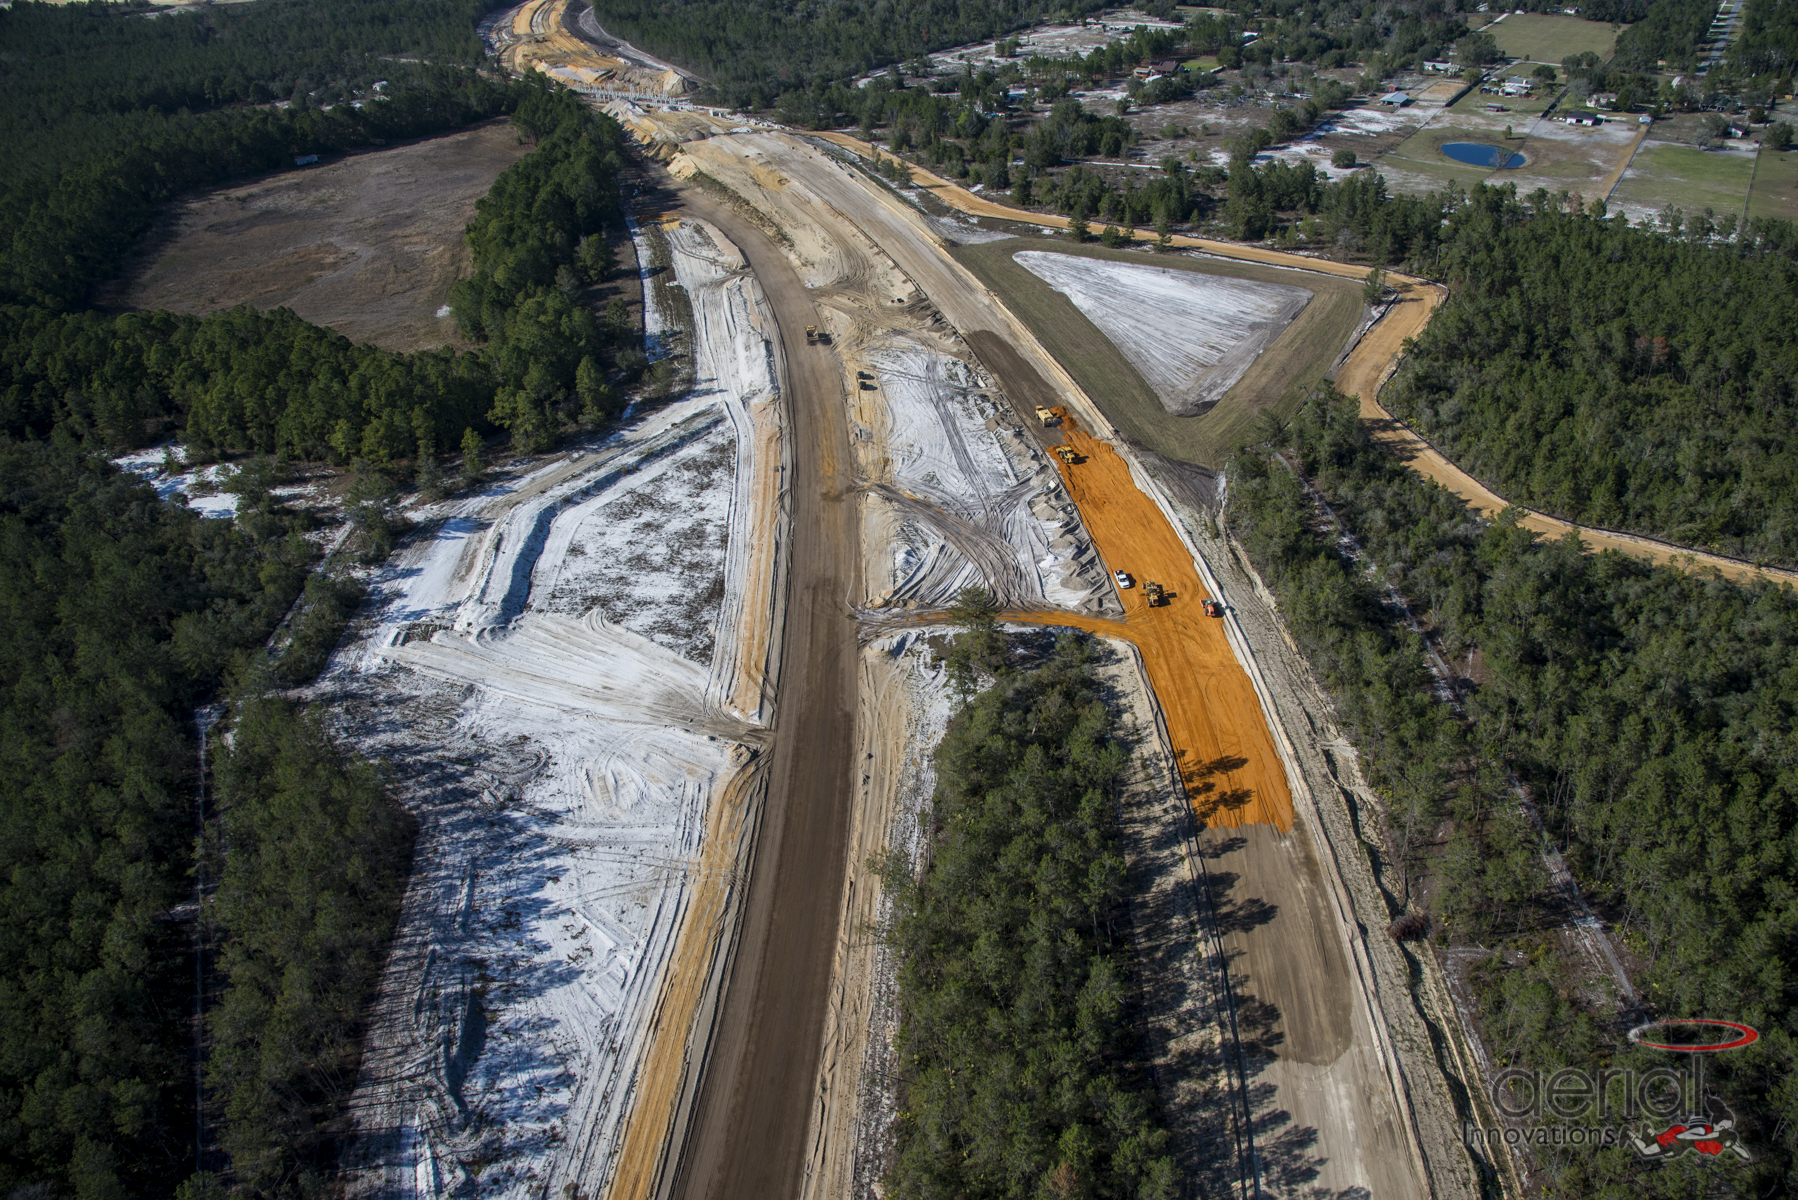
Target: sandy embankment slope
pixel 1336 1019
pixel 1366 371
pixel 571 675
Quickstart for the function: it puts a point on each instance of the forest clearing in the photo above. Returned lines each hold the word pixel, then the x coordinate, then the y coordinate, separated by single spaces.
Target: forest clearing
pixel 368 245
pixel 597 700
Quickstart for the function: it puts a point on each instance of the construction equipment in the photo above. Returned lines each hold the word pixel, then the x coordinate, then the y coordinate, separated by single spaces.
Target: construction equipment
pixel 1153 594
pixel 1213 608
pixel 1044 415
pixel 1067 455
pixel 811 333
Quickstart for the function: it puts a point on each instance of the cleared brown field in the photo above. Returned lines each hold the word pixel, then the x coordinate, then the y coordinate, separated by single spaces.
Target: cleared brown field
pixel 1301 354
pixel 368 245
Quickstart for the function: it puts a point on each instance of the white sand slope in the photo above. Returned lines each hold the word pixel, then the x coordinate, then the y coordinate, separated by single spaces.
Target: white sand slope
pixel 962 499
pixel 1190 335
pixel 575 668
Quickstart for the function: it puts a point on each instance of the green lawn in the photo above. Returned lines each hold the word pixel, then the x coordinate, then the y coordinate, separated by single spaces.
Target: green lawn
pixel 1537 37
pixel 1775 191
pixel 1302 354
pixel 1686 177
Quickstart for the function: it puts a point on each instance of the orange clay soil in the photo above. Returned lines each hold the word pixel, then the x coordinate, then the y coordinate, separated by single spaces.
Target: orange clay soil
pixel 1214 720
pixel 1366 369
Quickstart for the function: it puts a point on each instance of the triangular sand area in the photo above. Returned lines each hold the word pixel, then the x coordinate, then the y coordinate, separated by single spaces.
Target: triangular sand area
pixel 1191 335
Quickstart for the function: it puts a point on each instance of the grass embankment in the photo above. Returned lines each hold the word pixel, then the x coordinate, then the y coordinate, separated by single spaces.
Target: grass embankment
pixel 1301 354
pixel 1020 1071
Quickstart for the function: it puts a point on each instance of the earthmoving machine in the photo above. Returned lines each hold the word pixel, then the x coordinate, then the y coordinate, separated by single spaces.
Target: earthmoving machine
pixel 811 333
pixel 1067 455
pixel 1212 607
pixel 1152 592
pixel 1044 415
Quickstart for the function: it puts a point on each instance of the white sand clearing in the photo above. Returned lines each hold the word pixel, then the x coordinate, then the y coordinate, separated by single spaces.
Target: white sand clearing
pixel 577 663
pixel 1190 335
pixel 966 500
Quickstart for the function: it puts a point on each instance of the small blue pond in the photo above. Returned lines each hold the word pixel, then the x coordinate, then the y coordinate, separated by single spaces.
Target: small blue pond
pixel 1478 154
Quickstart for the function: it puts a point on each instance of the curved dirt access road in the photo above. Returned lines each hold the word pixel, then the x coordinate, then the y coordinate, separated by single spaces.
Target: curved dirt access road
pixel 1366 370
pixel 1372 363
pixel 759 1056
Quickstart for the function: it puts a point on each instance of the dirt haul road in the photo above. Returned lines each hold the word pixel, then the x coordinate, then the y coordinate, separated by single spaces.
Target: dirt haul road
pixel 1366 370
pixel 760 1056
pixel 1222 746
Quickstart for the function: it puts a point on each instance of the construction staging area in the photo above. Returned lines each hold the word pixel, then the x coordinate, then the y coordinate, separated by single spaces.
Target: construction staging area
pixel 670 695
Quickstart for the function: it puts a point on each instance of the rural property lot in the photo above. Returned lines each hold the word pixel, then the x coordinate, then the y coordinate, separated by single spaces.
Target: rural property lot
pixel 1573 157
pixel 1666 173
pixel 1775 192
pixel 1538 37
pixel 1302 354
pixel 368 245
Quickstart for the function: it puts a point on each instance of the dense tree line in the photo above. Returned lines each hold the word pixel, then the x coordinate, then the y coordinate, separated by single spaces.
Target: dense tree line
pixel 1019 1073
pixel 270 383
pixel 120 614
pixel 316 864
pixel 538 239
pixel 1649 714
pixel 1670 31
pixel 1768 40
pixel 1618 377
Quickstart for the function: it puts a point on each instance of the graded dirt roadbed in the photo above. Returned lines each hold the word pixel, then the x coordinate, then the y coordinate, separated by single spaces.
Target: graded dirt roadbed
pixel 1366 370
pixel 749 1120
pixel 1224 752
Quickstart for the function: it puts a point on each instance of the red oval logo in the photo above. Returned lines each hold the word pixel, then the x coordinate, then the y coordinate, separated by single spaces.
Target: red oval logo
pixel 1747 1035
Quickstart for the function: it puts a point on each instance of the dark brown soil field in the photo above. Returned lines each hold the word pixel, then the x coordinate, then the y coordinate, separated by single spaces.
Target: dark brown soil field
pixel 368 244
